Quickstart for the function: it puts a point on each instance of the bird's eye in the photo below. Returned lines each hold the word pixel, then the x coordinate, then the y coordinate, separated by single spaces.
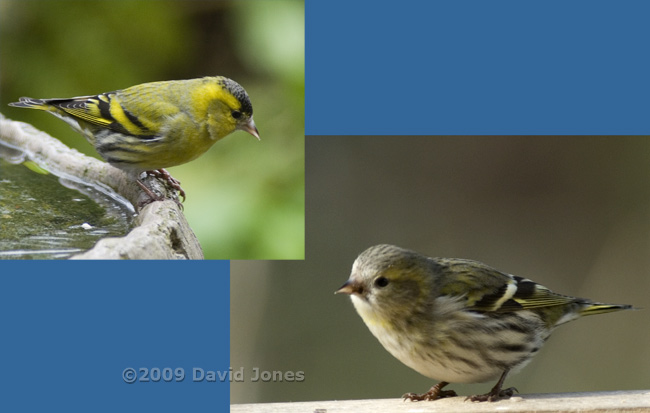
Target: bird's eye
pixel 236 114
pixel 381 282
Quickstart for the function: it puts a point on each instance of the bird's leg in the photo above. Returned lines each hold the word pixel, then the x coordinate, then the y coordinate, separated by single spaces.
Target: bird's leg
pixel 149 192
pixel 435 393
pixel 164 175
pixel 496 393
pixel 153 196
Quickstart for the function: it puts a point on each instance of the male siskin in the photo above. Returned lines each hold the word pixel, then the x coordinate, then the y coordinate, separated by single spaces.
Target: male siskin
pixel 152 126
pixel 457 320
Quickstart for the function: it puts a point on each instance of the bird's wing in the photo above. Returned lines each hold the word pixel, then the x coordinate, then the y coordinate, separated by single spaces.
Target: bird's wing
pixel 104 111
pixel 487 289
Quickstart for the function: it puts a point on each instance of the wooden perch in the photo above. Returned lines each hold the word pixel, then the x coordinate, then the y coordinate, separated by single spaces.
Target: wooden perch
pixel 616 401
pixel 160 229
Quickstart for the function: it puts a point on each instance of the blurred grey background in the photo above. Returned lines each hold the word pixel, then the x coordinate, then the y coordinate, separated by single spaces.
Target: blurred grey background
pixel 570 212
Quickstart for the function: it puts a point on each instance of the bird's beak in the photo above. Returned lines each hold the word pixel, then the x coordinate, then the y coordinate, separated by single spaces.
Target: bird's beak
pixel 251 128
pixel 350 287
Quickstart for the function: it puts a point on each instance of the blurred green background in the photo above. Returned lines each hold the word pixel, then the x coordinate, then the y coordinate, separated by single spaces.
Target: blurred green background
pixel 245 198
pixel 572 213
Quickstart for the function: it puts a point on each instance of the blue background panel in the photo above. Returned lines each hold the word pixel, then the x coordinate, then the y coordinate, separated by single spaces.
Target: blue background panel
pixel 477 67
pixel 70 329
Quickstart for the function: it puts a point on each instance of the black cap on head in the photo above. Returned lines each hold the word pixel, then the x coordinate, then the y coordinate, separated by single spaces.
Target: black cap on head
pixel 239 93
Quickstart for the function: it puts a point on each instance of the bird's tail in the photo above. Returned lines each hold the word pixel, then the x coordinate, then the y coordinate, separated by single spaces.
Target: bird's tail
pixel 600 308
pixel 25 102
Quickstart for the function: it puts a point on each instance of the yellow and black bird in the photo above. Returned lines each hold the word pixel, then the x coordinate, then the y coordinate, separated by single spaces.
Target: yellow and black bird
pixel 152 126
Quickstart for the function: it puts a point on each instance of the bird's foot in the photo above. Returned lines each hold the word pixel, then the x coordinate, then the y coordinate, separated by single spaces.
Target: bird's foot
pixel 494 395
pixel 152 196
pixel 165 176
pixel 434 393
